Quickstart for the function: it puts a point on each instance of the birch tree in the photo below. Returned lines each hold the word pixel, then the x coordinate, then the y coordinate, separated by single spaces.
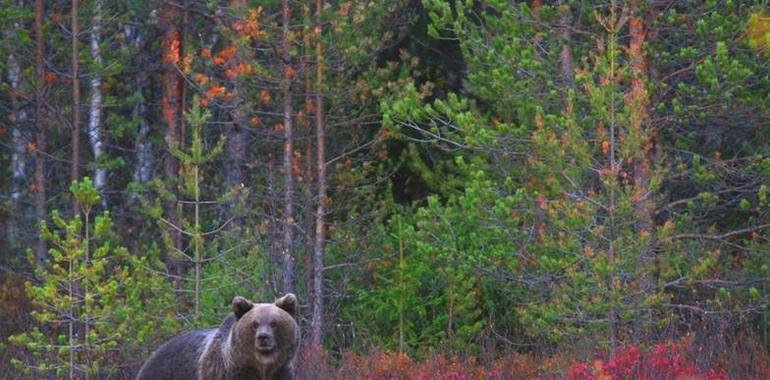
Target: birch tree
pixel 95 107
pixel 19 136
pixel 143 169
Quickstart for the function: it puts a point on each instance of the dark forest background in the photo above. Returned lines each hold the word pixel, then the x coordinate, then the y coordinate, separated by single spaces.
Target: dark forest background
pixel 478 189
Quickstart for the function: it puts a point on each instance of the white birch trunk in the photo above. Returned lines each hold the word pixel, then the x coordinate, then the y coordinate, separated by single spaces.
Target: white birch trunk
pixel 143 169
pixel 18 153
pixel 95 107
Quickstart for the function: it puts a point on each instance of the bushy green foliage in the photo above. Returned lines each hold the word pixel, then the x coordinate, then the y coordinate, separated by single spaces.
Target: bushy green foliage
pixel 436 285
pixel 501 175
pixel 231 268
pixel 597 247
pixel 94 302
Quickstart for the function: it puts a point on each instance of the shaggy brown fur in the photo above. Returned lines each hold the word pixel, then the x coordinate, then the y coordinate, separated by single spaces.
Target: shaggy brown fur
pixel 256 342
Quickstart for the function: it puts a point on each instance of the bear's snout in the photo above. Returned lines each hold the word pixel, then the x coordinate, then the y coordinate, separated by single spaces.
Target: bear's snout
pixel 265 341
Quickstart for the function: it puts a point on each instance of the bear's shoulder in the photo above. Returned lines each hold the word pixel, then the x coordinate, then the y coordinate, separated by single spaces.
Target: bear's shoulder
pixel 173 359
pixel 227 324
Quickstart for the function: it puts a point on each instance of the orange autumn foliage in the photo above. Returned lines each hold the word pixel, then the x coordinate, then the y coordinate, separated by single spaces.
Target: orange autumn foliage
pixel 605 147
pixel 237 71
pixel 289 72
pixel 243 68
pixel 225 55
pixel 250 27
pixel 264 96
pixel 171 49
pixel 201 79
pixel 296 163
pixel 50 78
pixel 56 18
pixel 215 90
pixel 186 63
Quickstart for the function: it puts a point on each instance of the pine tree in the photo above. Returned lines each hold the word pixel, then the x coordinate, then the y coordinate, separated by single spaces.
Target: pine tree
pixel 93 301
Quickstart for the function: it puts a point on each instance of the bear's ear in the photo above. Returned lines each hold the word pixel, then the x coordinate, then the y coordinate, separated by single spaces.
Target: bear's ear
pixel 288 303
pixel 241 306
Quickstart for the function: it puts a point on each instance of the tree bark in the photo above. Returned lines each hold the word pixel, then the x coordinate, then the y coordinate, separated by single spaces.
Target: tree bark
pixel 310 161
pixel 565 56
pixel 170 104
pixel 41 207
pixel 316 321
pixel 144 161
pixel 185 33
pixel 642 132
pixel 235 150
pixel 288 153
pixel 143 146
pixel 19 141
pixel 75 169
pixel 236 134
pixel 95 107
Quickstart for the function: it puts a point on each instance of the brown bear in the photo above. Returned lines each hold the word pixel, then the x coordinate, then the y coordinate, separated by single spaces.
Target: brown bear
pixel 258 341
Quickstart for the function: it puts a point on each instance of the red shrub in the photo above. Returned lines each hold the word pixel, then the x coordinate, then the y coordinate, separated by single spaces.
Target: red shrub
pixel 314 363
pixel 672 361
pixel 514 366
pixel 664 361
pixel 394 366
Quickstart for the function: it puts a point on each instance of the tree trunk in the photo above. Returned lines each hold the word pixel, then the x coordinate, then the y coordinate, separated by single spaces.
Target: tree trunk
pixel 236 141
pixel 185 33
pixel 236 148
pixel 75 170
pixel 288 153
pixel 316 321
pixel 143 169
pixel 143 146
pixel 536 6
pixel 565 57
pixel 310 167
pixel 41 207
pixel 613 167
pixel 170 105
pixel 95 108
pixel 642 132
pixel 19 141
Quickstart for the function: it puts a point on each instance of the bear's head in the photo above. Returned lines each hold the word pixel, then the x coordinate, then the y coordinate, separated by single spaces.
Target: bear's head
pixel 264 334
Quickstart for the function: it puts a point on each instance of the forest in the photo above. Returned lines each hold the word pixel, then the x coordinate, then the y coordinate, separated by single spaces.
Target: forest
pixel 453 189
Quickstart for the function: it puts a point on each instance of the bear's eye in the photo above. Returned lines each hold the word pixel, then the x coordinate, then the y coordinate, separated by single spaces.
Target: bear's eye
pixel 255 325
pixel 272 323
